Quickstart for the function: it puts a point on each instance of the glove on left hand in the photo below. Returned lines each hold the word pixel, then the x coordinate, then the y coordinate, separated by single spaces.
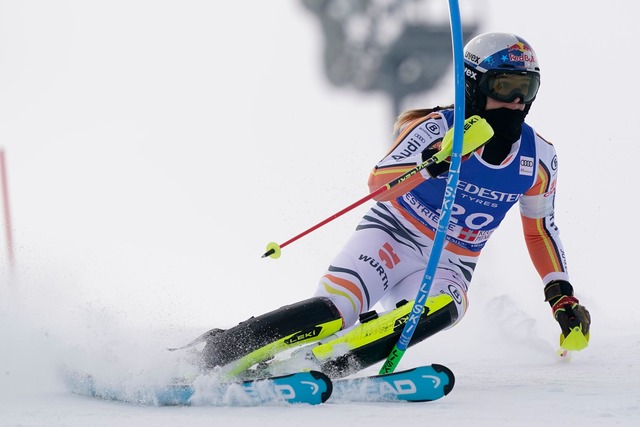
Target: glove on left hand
pixel 574 319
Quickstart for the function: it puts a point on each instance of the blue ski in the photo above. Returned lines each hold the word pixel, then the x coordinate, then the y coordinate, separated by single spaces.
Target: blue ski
pixel 301 387
pixel 421 384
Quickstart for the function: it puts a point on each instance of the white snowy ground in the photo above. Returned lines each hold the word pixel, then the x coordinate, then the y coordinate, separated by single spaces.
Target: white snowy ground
pixel 154 149
pixel 507 374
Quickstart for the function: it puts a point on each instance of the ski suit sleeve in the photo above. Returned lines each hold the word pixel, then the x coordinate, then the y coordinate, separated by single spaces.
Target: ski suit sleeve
pixel 541 234
pixel 406 154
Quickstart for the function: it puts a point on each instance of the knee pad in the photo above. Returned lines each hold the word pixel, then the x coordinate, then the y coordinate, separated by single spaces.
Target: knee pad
pixel 259 338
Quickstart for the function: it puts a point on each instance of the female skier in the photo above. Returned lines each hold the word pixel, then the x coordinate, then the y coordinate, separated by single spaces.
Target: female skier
pixel 385 259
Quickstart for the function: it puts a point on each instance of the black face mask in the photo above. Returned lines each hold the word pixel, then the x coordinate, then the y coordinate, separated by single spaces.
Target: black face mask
pixel 507 128
pixel 506 123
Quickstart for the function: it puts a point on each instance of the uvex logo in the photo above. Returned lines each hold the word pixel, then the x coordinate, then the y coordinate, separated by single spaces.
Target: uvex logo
pixel 472 57
pixel 471 74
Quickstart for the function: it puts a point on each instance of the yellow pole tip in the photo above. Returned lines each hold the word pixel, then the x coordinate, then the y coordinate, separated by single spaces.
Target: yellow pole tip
pixel 273 250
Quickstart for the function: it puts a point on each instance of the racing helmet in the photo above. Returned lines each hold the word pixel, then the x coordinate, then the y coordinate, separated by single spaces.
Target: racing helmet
pixel 502 66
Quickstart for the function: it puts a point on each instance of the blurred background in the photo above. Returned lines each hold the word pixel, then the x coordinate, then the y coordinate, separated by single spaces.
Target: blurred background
pixel 154 148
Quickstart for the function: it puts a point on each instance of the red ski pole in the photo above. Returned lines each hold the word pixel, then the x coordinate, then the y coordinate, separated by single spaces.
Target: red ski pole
pixel 477 133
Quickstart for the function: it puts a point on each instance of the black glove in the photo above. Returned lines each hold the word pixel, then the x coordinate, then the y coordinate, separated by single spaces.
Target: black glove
pixel 437 168
pixel 574 319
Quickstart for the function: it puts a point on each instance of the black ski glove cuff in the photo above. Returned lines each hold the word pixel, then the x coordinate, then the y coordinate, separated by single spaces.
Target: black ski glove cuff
pixel 556 289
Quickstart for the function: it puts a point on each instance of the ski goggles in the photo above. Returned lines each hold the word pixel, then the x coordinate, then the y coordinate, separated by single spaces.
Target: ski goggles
pixel 506 86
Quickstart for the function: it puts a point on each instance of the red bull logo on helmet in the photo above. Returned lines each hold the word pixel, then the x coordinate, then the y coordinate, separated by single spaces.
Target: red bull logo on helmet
pixel 520 52
pixel 520 47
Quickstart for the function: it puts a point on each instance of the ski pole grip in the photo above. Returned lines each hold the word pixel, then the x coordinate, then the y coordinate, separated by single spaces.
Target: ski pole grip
pixel 477 132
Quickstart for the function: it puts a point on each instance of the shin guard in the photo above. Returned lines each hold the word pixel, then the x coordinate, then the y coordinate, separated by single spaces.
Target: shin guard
pixel 373 340
pixel 259 338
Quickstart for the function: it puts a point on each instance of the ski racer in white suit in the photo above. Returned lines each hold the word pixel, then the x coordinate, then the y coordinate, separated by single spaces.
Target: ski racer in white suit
pixel 385 259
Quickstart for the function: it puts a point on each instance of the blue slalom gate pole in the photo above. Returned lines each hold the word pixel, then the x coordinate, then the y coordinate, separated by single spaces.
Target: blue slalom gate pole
pixel 449 195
